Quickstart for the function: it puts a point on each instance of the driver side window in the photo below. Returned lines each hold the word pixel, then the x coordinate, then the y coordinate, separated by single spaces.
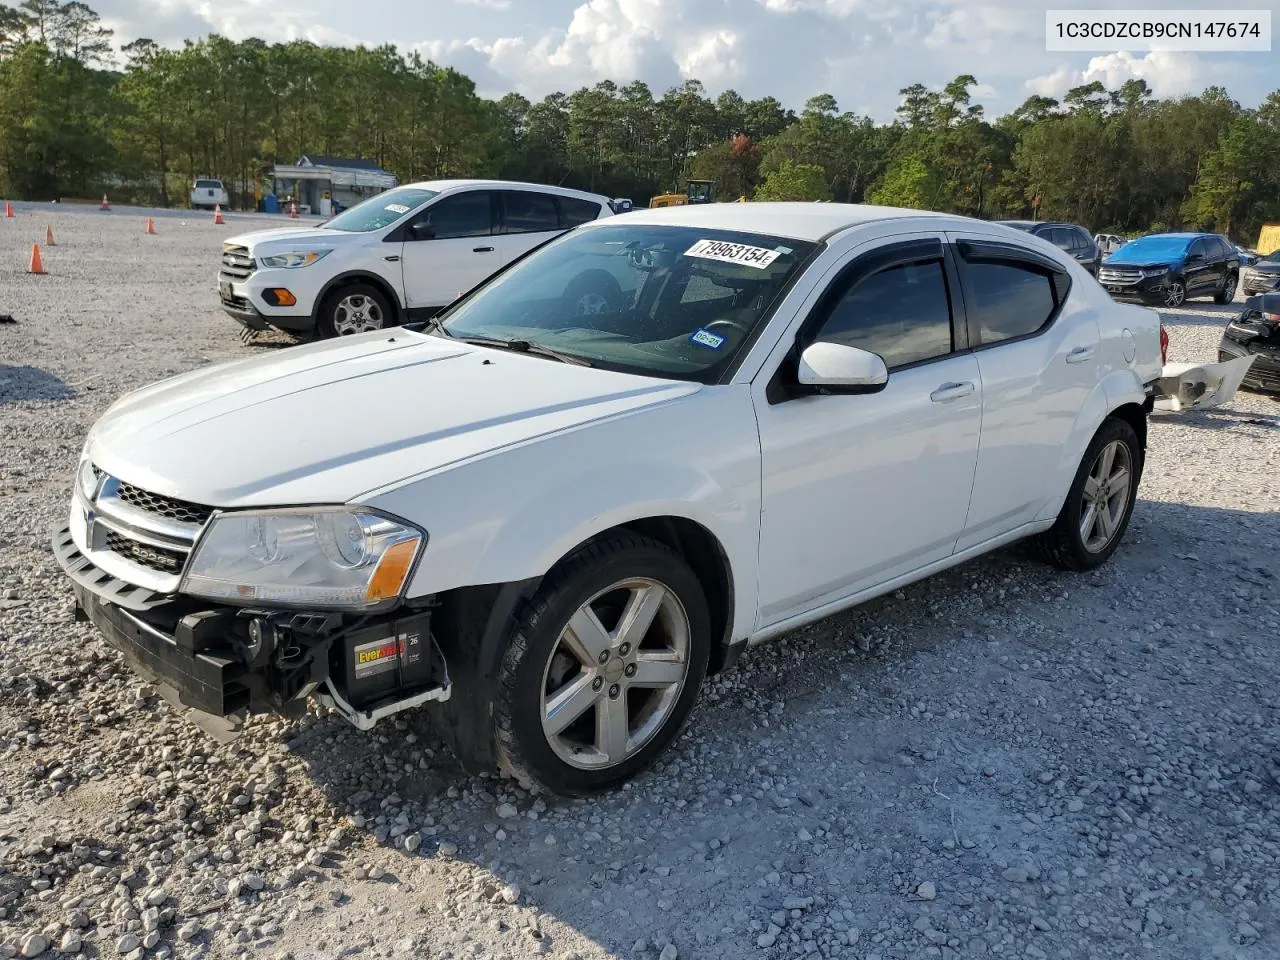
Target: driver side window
pixel 902 313
pixel 462 215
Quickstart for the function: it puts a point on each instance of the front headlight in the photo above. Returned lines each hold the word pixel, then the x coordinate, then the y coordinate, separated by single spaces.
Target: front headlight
pixel 331 557
pixel 1154 271
pixel 87 477
pixel 301 258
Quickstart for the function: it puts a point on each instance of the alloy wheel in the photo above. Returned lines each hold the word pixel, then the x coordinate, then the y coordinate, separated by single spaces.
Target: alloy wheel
pixel 356 313
pixel 615 673
pixel 1175 295
pixel 1107 494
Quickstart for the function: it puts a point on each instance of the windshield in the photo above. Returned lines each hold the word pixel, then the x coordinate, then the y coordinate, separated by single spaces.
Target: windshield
pixel 380 211
pixel 1155 248
pixel 664 301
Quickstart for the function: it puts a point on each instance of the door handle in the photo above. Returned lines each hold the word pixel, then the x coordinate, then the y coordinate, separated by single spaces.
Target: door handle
pixel 951 391
pixel 482 250
pixel 393 259
pixel 1080 355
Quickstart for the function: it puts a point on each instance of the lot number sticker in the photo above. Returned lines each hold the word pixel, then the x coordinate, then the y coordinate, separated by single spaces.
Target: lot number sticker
pixel 726 252
pixel 396 208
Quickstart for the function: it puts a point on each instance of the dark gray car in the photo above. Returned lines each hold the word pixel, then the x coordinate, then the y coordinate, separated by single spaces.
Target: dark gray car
pixel 1074 239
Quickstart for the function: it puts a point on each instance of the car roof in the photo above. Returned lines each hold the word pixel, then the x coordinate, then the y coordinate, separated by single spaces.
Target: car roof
pixel 796 220
pixel 440 186
pixel 1179 236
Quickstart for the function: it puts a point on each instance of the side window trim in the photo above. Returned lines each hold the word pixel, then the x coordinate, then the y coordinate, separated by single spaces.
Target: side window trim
pixel 780 387
pixel 998 252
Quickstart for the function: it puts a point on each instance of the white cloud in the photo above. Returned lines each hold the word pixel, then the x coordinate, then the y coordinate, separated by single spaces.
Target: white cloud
pixel 486 4
pixel 1167 73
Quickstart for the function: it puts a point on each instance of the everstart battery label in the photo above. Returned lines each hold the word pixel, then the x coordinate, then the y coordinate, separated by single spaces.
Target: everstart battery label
pixel 381 656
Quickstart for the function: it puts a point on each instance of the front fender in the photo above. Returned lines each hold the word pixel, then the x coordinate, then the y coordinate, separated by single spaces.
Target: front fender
pixel 1116 389
pixel 510 516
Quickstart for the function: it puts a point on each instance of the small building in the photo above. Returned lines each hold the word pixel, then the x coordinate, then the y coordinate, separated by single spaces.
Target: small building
pixel 314 182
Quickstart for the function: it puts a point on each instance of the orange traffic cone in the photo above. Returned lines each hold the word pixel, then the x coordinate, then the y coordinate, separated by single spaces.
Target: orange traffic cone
pixel 217 214
pixel 151 227
pixel 8 209
pixel 105 204
pixel 48 237
pixel 37 265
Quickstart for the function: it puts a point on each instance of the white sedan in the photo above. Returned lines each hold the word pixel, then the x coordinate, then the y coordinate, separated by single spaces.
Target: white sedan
pixel 548 519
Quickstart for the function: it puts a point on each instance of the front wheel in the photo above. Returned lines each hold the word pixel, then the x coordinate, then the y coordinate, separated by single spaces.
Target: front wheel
pixel 1175 294
pixel 1228 291
pixel 357 308
pixel 603 671
pixel 1099 504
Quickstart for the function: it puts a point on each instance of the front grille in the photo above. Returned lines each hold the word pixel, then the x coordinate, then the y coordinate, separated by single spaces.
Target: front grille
pixel 236 262
pixel 171 508
pixel 1119 275
pixel 1261 282
pixel 155 558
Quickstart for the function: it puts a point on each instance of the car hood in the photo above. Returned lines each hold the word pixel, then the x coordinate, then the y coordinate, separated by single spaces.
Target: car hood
pixel 327 422
pixel 1265 266
pixel 291 237
pixel 1122 259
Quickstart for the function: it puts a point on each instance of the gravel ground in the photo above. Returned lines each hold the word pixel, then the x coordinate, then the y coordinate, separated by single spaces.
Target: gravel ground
pixel 1001 761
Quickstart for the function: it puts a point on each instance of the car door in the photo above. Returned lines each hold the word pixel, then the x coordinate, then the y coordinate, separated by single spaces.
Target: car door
pixel 1036 352
pixel 526 218
pixel 859 489
pixel 1225 260
pixel 448 248
pixel 1085 251
pixel 1198 271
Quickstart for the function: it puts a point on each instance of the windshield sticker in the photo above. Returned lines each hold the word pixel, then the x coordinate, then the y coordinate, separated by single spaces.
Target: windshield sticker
pixel 739 253
pixel 706 338
pixel 396 208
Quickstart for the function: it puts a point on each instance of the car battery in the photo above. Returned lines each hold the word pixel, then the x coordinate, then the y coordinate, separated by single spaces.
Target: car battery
pixel 389 661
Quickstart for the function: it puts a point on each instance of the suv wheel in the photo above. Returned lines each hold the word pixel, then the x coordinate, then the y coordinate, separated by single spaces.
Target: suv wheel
pixel 1096 513
pixel 602 672
pixel 1228 291
pixel 1175 294
pixel 591 293
pixel 356 308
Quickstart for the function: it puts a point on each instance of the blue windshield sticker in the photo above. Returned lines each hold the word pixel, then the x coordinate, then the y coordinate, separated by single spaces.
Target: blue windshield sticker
pixel 706 338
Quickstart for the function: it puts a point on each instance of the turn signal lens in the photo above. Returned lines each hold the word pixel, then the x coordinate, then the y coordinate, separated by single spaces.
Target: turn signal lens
pixel 279 297
pixel 393 568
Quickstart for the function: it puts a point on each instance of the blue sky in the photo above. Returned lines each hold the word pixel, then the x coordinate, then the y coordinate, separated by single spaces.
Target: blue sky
pixel 861 51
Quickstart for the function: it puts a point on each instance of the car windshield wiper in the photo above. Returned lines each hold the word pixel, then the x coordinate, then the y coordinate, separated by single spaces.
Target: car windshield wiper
pixel 524 346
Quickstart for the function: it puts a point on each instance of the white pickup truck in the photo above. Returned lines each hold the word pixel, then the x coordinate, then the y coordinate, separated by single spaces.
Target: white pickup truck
pixel 550 523
pixel 207 194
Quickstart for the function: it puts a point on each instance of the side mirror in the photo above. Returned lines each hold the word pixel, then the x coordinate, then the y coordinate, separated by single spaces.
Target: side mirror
pixel 421 230
pixel 836 368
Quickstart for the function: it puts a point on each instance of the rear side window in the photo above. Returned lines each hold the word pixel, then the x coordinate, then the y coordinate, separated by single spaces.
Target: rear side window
pixel 1007 300
pixel 1060 237
pixel 1225 249
pixel 525 212
pixel 574 211
pixel 1083 240
pixel 902 313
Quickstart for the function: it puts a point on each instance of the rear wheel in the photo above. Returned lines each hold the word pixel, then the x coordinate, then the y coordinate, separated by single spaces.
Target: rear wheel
pixel 1099 504
pixel 1228 291
pixel 356 308
pixel 601 674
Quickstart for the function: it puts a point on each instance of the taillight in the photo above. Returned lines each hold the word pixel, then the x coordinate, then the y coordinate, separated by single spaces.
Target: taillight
pixel 1164 345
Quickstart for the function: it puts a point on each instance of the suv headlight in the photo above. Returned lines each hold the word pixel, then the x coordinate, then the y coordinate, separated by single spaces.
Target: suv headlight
pixel 1154 271
pixel 301 258
pixel 329 557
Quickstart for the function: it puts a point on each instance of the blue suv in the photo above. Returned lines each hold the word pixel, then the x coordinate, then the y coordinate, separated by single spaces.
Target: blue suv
pixel 1170 268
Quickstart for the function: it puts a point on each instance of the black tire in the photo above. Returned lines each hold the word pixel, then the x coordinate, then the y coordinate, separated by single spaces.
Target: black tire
pixel 1063 544
pixel 593 292
pixel 329 320
pixel 1228 292
pixel 522 747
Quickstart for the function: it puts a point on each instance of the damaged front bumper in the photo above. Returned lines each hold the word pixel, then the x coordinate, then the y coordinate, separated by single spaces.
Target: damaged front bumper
pixel 219 664
pixel 1185 386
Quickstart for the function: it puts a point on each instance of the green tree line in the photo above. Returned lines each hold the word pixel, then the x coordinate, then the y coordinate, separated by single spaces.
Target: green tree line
pixel 78 117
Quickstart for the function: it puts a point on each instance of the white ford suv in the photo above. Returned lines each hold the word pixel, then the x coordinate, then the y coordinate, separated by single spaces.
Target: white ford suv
pixel 550 524
pixel 401 255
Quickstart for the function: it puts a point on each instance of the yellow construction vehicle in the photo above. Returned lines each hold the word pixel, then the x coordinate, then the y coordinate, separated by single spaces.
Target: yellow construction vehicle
pixel 696 191
pixel 1269 238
